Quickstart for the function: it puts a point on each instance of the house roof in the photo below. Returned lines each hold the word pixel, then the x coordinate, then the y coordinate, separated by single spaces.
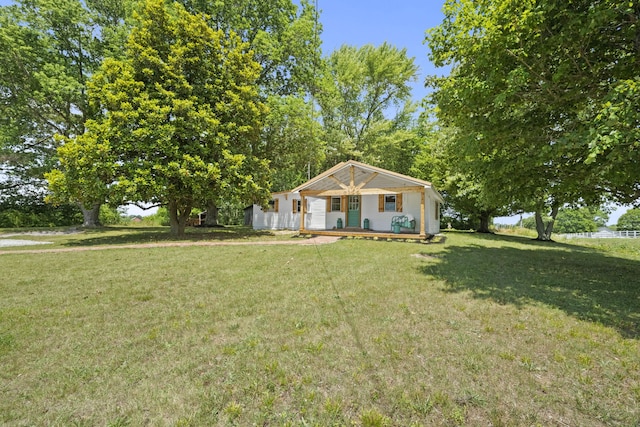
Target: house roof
pixel 359 178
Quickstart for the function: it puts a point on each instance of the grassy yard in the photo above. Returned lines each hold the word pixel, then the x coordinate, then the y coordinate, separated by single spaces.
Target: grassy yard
pixel 480 330
pixel 127 235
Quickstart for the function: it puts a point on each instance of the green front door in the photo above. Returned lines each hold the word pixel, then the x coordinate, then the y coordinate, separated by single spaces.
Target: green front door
pixel 353 216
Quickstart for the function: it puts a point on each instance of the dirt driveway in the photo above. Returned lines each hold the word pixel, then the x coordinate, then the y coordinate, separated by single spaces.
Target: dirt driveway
pixel 317 240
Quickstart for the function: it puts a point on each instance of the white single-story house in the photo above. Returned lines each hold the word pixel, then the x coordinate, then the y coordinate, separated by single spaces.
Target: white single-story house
pixel 354 198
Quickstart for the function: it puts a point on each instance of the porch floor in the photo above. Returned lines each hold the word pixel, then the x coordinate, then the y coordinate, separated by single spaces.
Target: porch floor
pixel 361 232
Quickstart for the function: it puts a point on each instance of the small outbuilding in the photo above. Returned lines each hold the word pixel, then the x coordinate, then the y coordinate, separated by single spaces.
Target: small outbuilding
pixel 354 198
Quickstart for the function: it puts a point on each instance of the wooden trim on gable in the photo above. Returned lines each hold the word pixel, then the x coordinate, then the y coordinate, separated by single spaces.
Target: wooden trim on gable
pixel 353 165
pixel 366 181
pixel 362 192
pixel 340 183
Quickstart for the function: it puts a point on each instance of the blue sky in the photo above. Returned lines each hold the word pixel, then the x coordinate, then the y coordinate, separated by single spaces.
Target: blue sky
pixel 401 23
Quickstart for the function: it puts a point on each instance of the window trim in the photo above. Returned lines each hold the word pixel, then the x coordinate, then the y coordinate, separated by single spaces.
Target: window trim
pixel 273 205
pixel 339 205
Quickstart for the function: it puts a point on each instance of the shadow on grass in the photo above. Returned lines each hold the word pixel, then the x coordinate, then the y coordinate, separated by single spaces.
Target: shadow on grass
pixel 139 235
pixel 582 282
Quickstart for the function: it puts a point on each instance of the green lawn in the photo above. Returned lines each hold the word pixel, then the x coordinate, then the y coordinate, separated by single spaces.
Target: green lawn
pixel 128 235
pixel 480 330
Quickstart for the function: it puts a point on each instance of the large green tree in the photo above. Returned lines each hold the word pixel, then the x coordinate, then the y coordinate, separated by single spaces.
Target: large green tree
pixel 283 37
pixel 181 112
pixel 533 89
pixel 48 50
pixel 364 106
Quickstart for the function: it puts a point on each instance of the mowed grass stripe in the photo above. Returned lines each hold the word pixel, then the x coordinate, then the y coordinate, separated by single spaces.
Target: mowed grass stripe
pixel 481 330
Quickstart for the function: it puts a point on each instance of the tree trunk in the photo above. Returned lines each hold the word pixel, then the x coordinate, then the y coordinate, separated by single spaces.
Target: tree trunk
pixel 540 226
pixel 91 216
pixel 211 220
pixel 178 216
pixel 485 220
pixel 544 231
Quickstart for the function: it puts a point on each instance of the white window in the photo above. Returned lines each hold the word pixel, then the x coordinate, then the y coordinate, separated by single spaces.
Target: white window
pixel 273 205
pixel 390 203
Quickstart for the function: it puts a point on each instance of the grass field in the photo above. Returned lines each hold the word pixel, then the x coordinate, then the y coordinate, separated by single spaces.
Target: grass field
pixel 481 330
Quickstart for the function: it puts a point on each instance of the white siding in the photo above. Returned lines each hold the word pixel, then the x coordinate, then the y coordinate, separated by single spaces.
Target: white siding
pixel 332 220
pixel 284 219
pixel 315 218
pixel 381 221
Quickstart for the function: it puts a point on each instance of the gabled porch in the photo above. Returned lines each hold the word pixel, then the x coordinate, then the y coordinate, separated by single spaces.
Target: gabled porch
pixel 355 199
pixel 363 200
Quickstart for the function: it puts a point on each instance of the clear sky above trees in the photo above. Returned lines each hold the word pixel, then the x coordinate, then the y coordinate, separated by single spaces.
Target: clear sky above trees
pixel 402 24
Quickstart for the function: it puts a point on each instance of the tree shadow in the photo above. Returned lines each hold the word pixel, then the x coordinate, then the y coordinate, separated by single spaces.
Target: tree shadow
pixel 140 235
pixel 582 282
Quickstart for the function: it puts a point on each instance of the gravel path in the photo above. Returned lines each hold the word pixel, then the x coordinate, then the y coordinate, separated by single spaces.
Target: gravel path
pixel 4 243
pixel 317 240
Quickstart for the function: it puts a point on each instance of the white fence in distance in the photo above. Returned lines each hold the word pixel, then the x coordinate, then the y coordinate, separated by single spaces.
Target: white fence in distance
pixel 603 235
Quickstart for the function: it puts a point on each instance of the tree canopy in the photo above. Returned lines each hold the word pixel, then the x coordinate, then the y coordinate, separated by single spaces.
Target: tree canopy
pixel 361 87
pixel 283 38
pixel 180 112
pixel 531 88
pixel 48 50
pixel 440 162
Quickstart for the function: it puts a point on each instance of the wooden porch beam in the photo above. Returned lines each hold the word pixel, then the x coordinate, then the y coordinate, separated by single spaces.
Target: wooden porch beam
pixel 343 186
pixel 362 191
pixel 366 181
pixel 387 190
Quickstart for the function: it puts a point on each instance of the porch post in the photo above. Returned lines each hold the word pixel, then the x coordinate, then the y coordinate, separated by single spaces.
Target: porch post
pixel 422 214
pixel 303 205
